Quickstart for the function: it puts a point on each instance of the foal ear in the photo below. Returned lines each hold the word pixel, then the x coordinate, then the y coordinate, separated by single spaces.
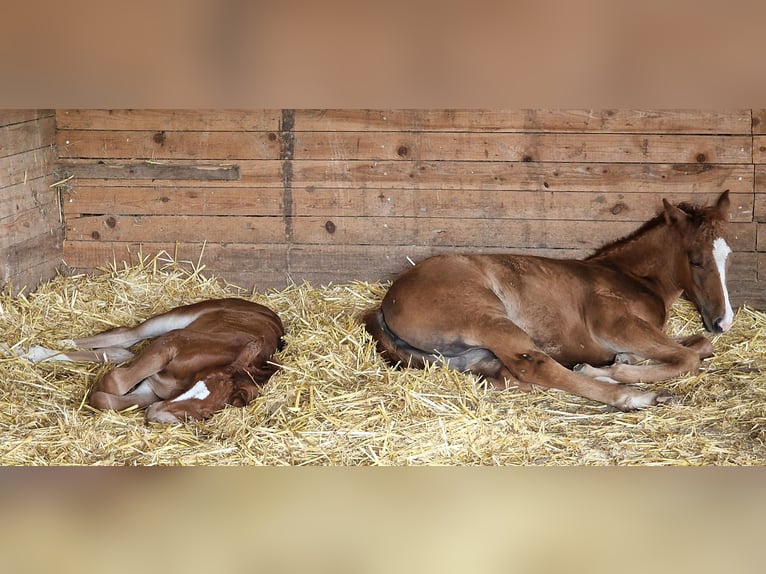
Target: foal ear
pixel 723 205
pixel 673 214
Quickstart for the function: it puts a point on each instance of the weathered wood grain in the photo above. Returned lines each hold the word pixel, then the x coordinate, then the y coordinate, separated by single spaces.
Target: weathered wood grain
pixel 606 121
pixel 542 233
pixel 122 144
pixel 25 136
pixel 27 262
pixel 494 204
pixel 183 228
pixel 247 265
pixel 759 121
pixel 254 173
pixel 83 200
pixel 35 194
pixel 8 117
pixel 149 170
pixel 759 149
pixel 26 165
pixel 527 176
pixel 546 147
pixel 167 120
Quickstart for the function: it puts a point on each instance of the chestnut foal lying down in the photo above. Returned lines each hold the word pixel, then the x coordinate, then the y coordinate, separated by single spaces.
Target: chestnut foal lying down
pixel 520 321
pixel 205 356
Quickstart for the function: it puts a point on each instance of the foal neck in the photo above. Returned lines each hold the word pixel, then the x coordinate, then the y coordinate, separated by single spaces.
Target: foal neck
pixel 649 255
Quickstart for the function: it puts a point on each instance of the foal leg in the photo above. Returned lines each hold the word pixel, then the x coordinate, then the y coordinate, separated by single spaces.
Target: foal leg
pixel 141 396
pixel 637 337
pixel 134 384
pixel 530 366
pixel 698 343
pixel 125 337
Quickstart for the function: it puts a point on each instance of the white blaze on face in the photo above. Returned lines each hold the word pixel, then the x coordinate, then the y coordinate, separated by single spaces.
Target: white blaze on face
pixel 198 391
pixel 721 252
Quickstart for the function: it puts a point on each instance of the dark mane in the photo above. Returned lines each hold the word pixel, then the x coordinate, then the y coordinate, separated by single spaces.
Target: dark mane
pixel 698 216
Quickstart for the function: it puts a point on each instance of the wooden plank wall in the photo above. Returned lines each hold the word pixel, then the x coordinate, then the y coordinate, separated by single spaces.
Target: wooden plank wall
pixel 337 195
pixel 31 224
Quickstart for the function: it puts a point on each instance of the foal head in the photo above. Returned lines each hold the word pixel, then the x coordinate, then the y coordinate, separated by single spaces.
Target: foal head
pixel 235 384
pixel 704 259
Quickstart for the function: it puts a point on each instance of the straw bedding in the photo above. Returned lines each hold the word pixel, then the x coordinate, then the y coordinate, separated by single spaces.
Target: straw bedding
pixel 336 403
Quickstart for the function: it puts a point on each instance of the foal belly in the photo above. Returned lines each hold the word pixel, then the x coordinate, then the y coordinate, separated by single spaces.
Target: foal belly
pixel 568 346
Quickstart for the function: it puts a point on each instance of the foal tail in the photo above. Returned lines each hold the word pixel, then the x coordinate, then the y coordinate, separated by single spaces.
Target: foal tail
pixel 392 348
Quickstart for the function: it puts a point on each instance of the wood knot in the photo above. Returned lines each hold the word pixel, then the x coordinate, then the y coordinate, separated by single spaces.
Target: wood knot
pixel 701 158
pixel 96 235
pixel 111 222
pixel 618 208
pixel 403 151
pixel 159 138
pixel 527 158
pixel 329 226
pixel 272 137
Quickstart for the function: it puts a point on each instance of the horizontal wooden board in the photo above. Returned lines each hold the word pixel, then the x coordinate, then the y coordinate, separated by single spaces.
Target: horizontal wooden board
pixel 29 261
pixel 762 269
pixel 245 264
pixel 25 166
pixel 759 121
pixel 26 136
pixel 36 193
pixel 82 200
pixel 371 202
pixel 759 149
pixel 101 144
pixel 546 147
pixel 607 121
pixel 29 223
pixel 167 120
pixel 522 176
pixel 402 231
pixel 255 173
pixel 184 228
pixel 751 293
pixel 494 204
pixel 526 176
pixel 166 170
pixel 8 117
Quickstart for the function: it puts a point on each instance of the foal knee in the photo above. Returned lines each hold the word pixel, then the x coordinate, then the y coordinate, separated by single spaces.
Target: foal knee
pixel 527 366
pixel 689 362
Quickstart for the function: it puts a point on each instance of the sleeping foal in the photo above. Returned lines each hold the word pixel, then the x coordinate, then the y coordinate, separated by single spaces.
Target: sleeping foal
pixel 205 356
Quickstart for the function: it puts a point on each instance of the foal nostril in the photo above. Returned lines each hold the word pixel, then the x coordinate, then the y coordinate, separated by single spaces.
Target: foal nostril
pixel 718 325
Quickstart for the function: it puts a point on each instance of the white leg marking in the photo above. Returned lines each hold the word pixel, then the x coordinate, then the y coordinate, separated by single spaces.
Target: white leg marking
pixel 721 252
pixel 198 391
pixel 38 354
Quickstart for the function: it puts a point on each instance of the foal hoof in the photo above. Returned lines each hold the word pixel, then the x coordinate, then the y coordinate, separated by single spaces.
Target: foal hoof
pixel 642 400
pixel 663 398
pixel 156 414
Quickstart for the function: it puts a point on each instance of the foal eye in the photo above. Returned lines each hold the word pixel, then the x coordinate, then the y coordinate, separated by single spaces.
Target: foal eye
pixel 695 263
